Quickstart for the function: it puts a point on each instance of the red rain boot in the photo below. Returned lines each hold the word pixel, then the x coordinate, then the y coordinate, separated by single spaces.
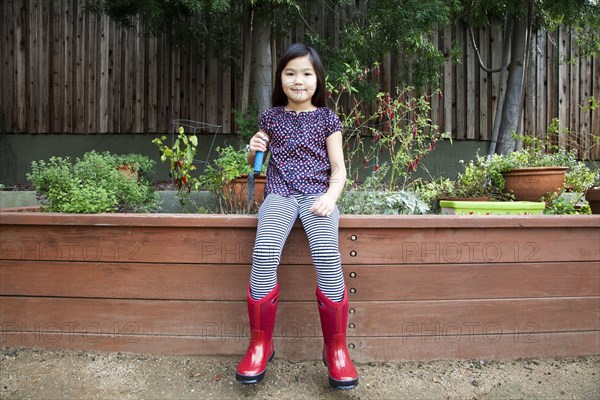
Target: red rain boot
pixel 261 314
pixel 334 319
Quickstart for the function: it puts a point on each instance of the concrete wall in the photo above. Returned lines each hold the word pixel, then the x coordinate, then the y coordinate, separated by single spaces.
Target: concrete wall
pixel 17 151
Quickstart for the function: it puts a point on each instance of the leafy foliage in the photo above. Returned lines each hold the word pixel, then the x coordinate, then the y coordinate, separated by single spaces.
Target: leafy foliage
pixel 247 122
pixel 566 206
pixel 373 197
pixel 94 184
pixel 230 164
pixel 480 178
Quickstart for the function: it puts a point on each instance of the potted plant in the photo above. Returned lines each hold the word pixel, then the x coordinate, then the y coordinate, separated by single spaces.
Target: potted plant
pixel 532 175
pixel 541 169
pixel 529 173
pixel 226 178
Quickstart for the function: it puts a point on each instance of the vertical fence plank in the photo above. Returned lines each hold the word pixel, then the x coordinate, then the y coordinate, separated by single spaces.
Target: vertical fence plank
pixel 202 106
pixel 484 85
pixel 120 103
pixel 151 105
pixel 434 100
pixel 595 152
pixel 211 89
pixel 91 107
pixel 19 71
pixel 461 86
pixel 539 109
pixel 448 88
pixel 30 40
pixel 44 69
pixel 226 103
pixel 574 100
pixel 563 78
pixel 530 90
pixel 8 20
pixel 176 85
pixel 552 73
pixel 69 62
pixel 472 87
pixel 103 75
pixel 165 87
pixel 140 80
pixel 585 115
pixel 78 69
pixel 54 95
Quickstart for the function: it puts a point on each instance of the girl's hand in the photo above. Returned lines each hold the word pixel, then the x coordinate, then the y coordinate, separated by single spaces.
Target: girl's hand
pixel 258 142
pixel 324 206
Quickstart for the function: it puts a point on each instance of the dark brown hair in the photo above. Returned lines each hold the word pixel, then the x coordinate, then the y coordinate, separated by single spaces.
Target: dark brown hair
pixel 278 98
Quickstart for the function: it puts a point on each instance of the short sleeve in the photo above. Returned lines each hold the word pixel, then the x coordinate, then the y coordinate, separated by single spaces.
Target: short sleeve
pixel 264 122
pixel 333 123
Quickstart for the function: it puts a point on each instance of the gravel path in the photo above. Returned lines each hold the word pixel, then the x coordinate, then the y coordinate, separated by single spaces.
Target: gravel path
pixel 45 374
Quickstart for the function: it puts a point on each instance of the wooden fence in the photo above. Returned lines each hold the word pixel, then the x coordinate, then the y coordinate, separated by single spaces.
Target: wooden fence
pixel 64 71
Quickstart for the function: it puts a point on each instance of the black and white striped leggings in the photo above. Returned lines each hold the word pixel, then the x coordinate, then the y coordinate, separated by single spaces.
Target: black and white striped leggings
pixel 276 217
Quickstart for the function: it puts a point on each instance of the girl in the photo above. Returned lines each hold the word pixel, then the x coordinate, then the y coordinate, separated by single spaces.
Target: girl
pixel 305 177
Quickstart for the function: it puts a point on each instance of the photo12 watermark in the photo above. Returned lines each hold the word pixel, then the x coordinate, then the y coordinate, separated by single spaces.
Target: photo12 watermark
pixel 46 332
pixel 470 331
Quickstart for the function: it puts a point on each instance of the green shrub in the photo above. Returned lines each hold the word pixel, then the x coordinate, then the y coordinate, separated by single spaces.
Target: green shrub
pixel 94 184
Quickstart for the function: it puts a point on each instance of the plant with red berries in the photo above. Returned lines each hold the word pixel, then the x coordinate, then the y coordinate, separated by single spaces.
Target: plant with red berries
pixel 405 134
pixel 381 127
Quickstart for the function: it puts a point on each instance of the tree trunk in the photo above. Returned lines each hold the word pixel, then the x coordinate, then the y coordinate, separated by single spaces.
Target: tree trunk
pixel 247 58
pixel 506 35
pixel 263 81
pixel 514 86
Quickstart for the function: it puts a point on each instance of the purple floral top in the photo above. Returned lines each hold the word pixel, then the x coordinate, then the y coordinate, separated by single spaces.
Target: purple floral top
pixel 298 153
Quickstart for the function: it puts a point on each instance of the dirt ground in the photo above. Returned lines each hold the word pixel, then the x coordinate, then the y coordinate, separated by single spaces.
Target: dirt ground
pixel 45 374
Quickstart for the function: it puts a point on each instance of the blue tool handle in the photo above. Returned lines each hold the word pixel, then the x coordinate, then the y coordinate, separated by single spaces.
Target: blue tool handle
pixel 258 162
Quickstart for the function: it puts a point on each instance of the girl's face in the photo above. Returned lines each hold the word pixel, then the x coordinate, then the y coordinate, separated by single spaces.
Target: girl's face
pixel 299 82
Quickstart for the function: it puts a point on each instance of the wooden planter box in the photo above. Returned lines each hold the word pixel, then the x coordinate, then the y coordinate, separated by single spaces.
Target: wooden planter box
pixel 421 287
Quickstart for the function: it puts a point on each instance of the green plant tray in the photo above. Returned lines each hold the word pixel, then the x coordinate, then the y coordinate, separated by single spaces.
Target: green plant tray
pixel 491 207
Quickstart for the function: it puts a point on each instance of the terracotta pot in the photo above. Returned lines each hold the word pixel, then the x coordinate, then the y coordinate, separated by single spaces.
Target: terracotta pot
pixel 128 170
pixel 236 193
pixel 592 195
pixel 531 184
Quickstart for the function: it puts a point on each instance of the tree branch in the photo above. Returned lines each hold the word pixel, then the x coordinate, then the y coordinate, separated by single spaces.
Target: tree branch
pixel 483 67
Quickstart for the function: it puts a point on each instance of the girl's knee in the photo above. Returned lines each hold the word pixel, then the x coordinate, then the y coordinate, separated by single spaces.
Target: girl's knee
pixel 265 253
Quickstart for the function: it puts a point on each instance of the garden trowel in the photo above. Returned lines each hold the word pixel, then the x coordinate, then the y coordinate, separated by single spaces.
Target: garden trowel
pixel 258 161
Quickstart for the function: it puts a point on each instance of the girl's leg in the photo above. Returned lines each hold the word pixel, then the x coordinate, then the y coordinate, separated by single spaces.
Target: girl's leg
pixel 276 218
pixel 322 233
pixel 332 299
